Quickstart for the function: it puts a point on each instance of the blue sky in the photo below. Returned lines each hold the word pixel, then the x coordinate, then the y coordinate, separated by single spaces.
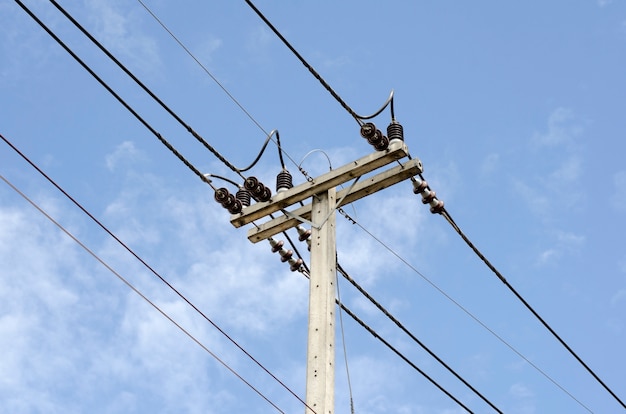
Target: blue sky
pixel 516 111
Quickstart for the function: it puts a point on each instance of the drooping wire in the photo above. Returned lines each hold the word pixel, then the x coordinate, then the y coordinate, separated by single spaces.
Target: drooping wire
pixel 223 88
pixel 112 92
pixel 343 343
pixel 463 309
pixel 397 352
pixel 258 157
pixel 154 272
pixel 138 292
pixel 414 338
pixel 344 105
pixel 499 275
pixel 145 88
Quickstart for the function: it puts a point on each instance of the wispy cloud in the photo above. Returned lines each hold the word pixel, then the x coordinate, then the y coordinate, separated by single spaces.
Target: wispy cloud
pixel 561 129
pixel 562 243
pixel 258 44
pixel 124 152
pixel 120 31
pixel 556 186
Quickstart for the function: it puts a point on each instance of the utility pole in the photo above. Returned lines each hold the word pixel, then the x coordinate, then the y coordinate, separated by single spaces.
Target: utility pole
pixel 320 214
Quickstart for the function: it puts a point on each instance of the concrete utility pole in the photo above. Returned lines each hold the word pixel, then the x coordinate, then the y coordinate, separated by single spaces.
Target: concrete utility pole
pixel 320 214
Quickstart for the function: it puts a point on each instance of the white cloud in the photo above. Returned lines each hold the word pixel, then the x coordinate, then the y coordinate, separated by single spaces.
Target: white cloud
pixel 555 184
pixel 259 42
pixel 563 243
pixel 125 152
pixel 569 171
pixel 71 335
pixel 119 30
pixel 208 47
pixel 560 129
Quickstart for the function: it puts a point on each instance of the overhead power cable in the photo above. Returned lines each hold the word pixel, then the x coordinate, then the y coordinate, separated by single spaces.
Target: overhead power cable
pixel 464 309
pixel 138 292
pixel 343 344
pixel 115 95
pixel 206 70
pixel 268 135
pixel 344 105
pixel 496 272
pixel 398 353
pixel 414 338
pixel 146 89
pixel 151 269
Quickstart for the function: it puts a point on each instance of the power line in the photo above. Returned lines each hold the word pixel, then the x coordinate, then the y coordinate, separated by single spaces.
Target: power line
pixel 151 269
pixel 206 70
pixel 443 211
pixel 134 289
pixel 115 95
pixel 344 105
pixel 146 89
pixel 151 129
pixel 397 352
pixel 464 309
pixel 413 337
pixel 269 135
pixel 449 219
pixel 343 344
pixel 127 106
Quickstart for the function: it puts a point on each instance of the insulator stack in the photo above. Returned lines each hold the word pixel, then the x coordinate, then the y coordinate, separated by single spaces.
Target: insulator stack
pixel 228 201
pixel 374 136
pixel 284 181
pixel 258 190
pixel 285 255
pixel 244 196
pixel 428 196
pixel 395 131
pixel 304 235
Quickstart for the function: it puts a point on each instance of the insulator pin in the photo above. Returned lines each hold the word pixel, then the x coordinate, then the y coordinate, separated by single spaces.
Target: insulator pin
pixel 395 131
pixel 244 196
pixel 303 234
pixel 276 245
pixel 228 201
pixel 284 181
pixel 221 194
pixel 285 255
pixel 258 190
pixel 436 206
pixel 368 130
pixel 374 136
pixel 419 186
pixel 296 264
pixel 428 196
